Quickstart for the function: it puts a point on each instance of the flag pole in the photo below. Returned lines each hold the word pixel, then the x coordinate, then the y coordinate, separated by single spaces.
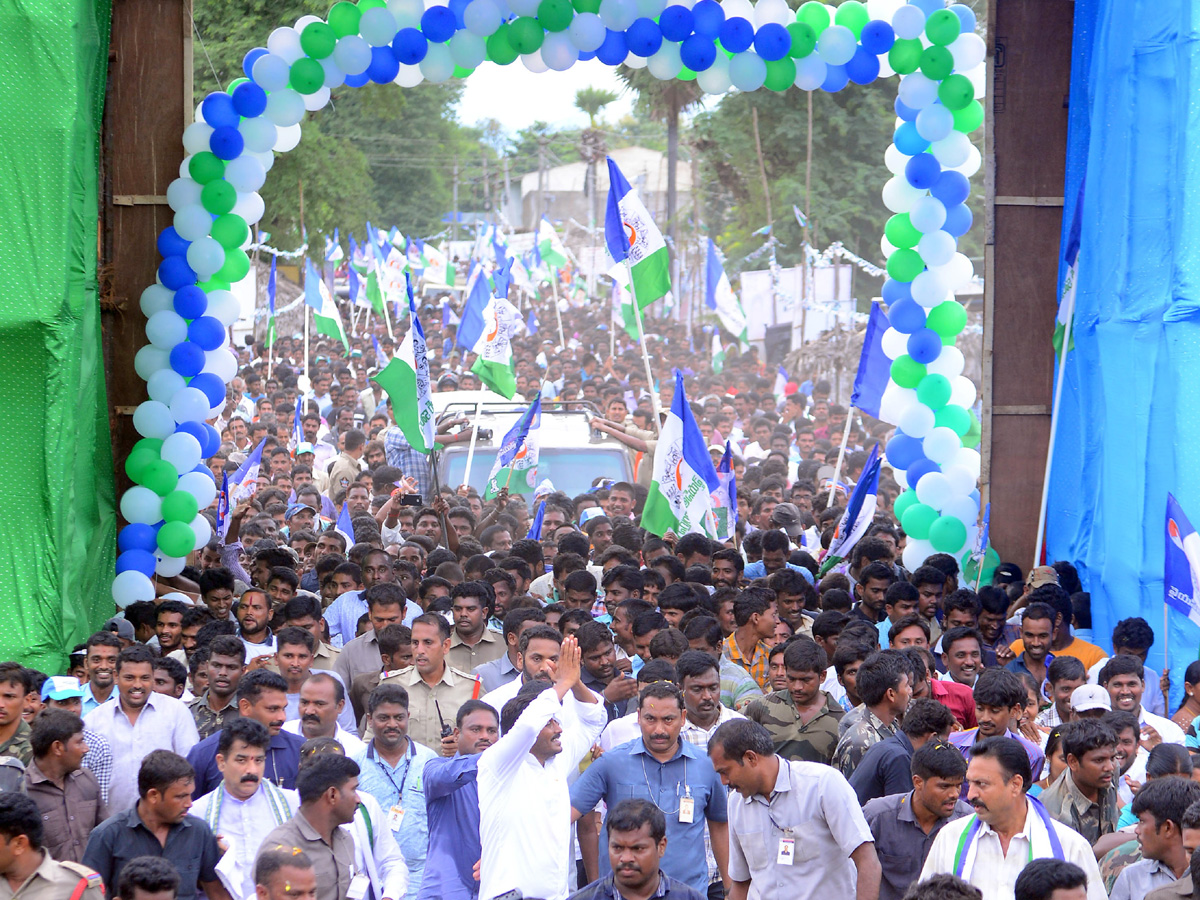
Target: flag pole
pixel 1062 368
pixel 387 320
pixel 637 311
pixel 474 435
pixel 562 341
pixel 837 470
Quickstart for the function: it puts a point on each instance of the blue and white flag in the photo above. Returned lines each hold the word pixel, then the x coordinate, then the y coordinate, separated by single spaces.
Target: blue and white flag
pixel 297 426
pixel 535 530
pixel 874 367
pixel 720 298
pixel 516 463
pixel 531 322
pixel 1181 573
pixel 344 526
pixel 724 498
pixel 781 380
pixel 1066 303
pixel 271 334
pixel 223 507
pixel 471 327
pixel 860 512
pixel 333 249
pixel 381 358
pixel 245 479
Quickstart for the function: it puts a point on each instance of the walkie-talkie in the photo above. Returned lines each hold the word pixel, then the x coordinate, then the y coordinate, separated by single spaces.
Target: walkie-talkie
pixel 446 729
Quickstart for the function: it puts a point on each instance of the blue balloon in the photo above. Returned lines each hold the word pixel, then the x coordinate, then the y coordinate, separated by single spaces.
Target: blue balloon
pixel 929 7
pixel 919 469
pixel 966 17
pixel 895 291
pixel 249 99
pixel 174 272
pixel 863 67
pixel 212 440
pixel 906 316
pixel 190 301
pixel 877 37
pixel 195 429
pixel 958 220
pixel 384 66
pixel 974 495
pixel 676 22
pixel 458 7
pixel 171 244
pixel 924 346
pixel 908 114
pixel 952 188
pixel 207 332
pixel 437 23
pixel 903 451
pixel 707 16
pixel 217 109
pixel 357 80
pixel 922 171
pixel 226 143
pixel 409 46
pixel 772 42
pixel 136 536
pixel 836 78
pixel 614 49
pixel 737 34
pixel 136 561
pixel 908 141
pixel 187 359
pixel 697 52
pixel 251 57
pixel 643 37
pixel 585 55
pixel 214 390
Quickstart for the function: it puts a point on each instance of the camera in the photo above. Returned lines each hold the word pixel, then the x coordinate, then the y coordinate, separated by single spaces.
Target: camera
pixel 484 434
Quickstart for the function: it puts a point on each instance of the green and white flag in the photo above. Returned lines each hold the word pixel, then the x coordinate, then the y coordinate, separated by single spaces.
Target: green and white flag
pixel 632 236
pixel 718 353
pixel 623 314
pixel 406 380
pixel 551 249
pixel 517 461
pixel 326 318
pixel 720 298
pixel 438 270
pixel 494 364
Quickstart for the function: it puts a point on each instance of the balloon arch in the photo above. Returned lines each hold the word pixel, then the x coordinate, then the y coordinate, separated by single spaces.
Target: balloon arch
pixel 731 45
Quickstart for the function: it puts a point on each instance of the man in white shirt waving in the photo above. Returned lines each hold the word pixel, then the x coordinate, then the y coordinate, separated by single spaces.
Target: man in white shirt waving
pixel 1008 830
pixel 524 804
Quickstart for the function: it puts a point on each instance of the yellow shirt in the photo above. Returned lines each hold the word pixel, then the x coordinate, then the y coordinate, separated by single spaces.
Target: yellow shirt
pixel 1088 654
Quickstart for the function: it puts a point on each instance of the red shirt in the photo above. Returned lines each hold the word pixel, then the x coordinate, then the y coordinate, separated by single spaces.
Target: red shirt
pixel 958 698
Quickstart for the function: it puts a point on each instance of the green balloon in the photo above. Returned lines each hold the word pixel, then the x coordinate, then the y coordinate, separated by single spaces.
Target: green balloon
pixel 956 92
pixel 907 372
pixel 853 15
pixel 343 18
pixel 154 444
pixel 160 476
pixel 781 73
pixel 905 56
pixel 460 72
pixel 942 27
pixel 969 118
pixel 205 167
pixel 237 266
pixel 592 6
pixel 499 46
pixel 900 231
pixel 318 40
pixel 213 284
pixel 307 75
pixel 555 15
pixel 953 417
pixel 235 84
pixel 947 534
pixel 905 264
pixel 526 34
pixel 686 74
pixel 230 231
pixel 364 5
pixel 936 62
pixel 176 539
pixel 974 433
pixel 918 519
pixel 948 318
pixel 804 40
pixel 934 391
pixel 179 506
pixel 814 15
pixel 137 461
pixel 218 197
pixel 903 502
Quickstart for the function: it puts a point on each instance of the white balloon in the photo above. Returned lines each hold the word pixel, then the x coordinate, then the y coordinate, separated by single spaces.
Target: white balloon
pixel 317 99
pixel 959 271
pixel 894 159
pixel 934 122
pixel 950 363
pixel 223 307
pixel 887 247
pixel 534 62
pixel 777 12
pixel 928 214
pixel 193 222
pixel 245 173
pixel 287 138
pixel 150 359
pixel 163 384
pixel 467 49
pixel 616 14
pixel 962 392
pixel 917 421
pixel 131 587
pixel 482 17
pixel 811 72
pixel 968 458
pixel 202 528
pixel 587 31
pixel 899 196
pixel 377 26
pixel 285 107
pixel 968 51
pixel 934 490
pixel 195 137
pixel 738 9
pixel 165 329
pixel 917 91
pixel 185 166
pixel 408 12
pixel 199 485
pixel 929 289
pixel 953 150
pixel 896 401
pixel 303 22
pixel 265 159
pixel 973 162
pixel 285 43
pixel 715 79
pixel 352 54
pixel 915 553
pixel 250 207
pixel 885 68
pixel 895 343
pixel 665 64
pixel 221 363
pixel 635 62
pixel 940 444
pixel 271 72
pixel 257 133
pixel 182 451
pixel 908 22
pixel 978 78
pixel 409 76
pixel 961 506
pixel 182 193
pixel 937 248
pixel 437 65
pixel 205 257
pixel 156 298
pixel 189 405
pixel 169 566
pixel 883 10
pixel 141 505
pixel 650 9
pixel 558 52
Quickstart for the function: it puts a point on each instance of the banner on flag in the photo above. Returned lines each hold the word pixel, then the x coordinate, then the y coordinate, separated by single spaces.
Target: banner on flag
pixel 406 381
pixel 1181 574
pixel 632 236
pixel 516 463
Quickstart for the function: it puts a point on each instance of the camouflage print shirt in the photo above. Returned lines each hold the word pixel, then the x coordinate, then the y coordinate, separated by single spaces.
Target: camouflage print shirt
pixel 18 745
pixel 857 740
pixel 1113 863
pixel 208 720
pixel 795 740
pixel 1067 804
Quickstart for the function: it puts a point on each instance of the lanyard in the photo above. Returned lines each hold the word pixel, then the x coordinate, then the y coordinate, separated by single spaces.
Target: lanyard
pixel 661 766
pixel 383 767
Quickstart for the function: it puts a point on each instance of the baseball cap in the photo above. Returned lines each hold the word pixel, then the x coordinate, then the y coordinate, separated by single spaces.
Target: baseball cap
pixel 122 628
pixel 296 507
pixel 1090 696
pixel 787 517
pixel 1041 575
pixel 304 447
pixel 61 687
pixel 1006 573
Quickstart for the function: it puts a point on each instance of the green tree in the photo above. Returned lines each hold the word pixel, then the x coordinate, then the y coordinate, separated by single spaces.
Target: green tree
pixel 592 100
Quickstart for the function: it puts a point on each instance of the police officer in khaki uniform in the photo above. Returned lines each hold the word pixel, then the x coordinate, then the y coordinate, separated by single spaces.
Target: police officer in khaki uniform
pixel 434 687
pixel 29 873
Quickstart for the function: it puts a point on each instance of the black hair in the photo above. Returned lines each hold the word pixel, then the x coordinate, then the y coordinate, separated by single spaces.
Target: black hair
pixel 927 716
pixel 899 592
pixel 661 690
pixel 1039 611
pixel 592 635
pixel 648 622
pixel 1065 668
pixel 135 655
pixel 20 815
pixel 631 814
pixel 1085 735
pixel 693 543
pixel 938 759
pixel 672 564
pixel 962 632
pixel 1121 665
pixel 1168 759
pixel 657 670
pixel 385 593
pixel 669 642
pixel 738 737
pixel 847 654
pixel 1042 877
pixel 253 683
pixel 928 575
pixel 829 623
pixel 628 577
pixel 1009 754
pixel 471 706
pixel 515 618
pixel 171 607
pixel 749 603
pixel 1121 720
pixel 538 633
pixel 322 772
pixel 999 687
pixel 879 673
pixel 105 639
pixel 1166 798
pixel 151 874
pixel 805 656
pixel 693 663
pixel 294 636
pixel 678 596
pixel 387 693
pixel 943 887
pixel 962 600
pixel 1133 633
pixel 437 621
pixel 51 725
pixel 249 731
pixel 160 769
pixel 909 621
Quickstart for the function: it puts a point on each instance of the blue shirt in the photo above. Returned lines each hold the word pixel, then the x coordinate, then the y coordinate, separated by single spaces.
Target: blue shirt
pixel 343 615
pixel 668 889
pixel 758 570
pixel 630 771
pixel 452 808
pixel 283 762
pixel 403 786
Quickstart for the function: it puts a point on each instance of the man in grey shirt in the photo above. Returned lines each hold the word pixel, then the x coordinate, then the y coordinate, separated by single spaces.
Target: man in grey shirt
pixel 904 825
pixel 1161 807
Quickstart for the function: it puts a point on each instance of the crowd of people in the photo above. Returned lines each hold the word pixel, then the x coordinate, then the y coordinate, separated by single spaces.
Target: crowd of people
pixel 452 705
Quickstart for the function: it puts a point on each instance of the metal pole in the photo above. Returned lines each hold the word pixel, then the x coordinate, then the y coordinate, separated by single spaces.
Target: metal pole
pixel 562 340
pixel 637 311
pixel 474 435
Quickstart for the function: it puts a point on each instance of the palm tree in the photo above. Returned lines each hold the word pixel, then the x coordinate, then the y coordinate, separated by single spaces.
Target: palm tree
pixel 591 100
pixel 593 149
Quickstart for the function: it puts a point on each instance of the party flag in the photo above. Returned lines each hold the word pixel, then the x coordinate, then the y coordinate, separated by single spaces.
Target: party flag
pixel 781 380
pixel 874 367
pixel 1070 276
pixel 297 425
pixel 632 237
pixel 1181 576
pixel 718 353
pixel 622 313
pixel 680 498
pixel 326 317
pixel 720 298
pixel 449 316
pixel 333 249
pixel 516 463
pixel 724 498
pixel 380 357
pixel 859 514
pixel 406 380
pixel 493 349
pixel 550 249
pixel 344 526
pixel 535 530
pixel 271 304
pixel 531 322
pixel 245 479
pixel 223 507
pixel 470 328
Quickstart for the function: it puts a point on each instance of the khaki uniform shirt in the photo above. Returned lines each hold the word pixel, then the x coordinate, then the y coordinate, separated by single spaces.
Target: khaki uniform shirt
pixel 208 720
pixel 342 473
pixel 325 657
pixel 465 657
pixel 455 688
pixel 794 740
pixel 55 881
pixel 333 864
pixel 68 813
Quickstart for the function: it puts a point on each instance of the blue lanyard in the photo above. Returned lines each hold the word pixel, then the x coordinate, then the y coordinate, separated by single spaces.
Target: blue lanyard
pixel 383 767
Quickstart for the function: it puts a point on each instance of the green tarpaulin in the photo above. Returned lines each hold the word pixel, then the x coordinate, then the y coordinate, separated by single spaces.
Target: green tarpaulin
pixel 57 527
